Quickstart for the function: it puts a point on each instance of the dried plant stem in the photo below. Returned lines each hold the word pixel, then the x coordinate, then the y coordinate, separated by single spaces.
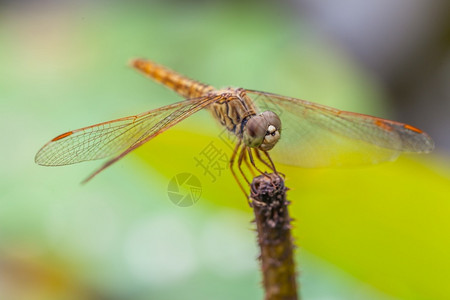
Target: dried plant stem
pixel 268 195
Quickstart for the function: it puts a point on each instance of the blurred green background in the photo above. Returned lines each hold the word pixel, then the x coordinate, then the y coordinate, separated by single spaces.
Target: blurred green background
pixel 377 232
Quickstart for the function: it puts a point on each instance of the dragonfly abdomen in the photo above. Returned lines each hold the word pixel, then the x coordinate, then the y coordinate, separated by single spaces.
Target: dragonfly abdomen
pixel 184 86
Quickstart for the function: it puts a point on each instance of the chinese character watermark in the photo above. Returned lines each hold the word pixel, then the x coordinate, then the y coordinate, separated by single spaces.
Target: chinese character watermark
pixel 212 160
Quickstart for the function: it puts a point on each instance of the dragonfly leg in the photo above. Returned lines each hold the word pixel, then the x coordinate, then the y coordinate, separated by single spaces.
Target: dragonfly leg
pixel 258 156
pixel 233 157
pixel 253 162
pixel 241 157
pixel 272 165
pixel 249 166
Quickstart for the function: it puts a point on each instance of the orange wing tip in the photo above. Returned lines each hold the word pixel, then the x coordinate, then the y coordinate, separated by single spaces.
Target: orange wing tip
pixel 383 125
pixel 409 127
pixel 61 136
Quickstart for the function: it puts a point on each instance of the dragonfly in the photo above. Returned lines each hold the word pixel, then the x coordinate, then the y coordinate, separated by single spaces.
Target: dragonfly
pixel 268 128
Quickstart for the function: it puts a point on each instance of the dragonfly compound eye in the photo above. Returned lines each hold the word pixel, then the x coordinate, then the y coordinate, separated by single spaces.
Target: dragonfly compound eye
pixel 273 131
pixel 262 131
pixel 255 131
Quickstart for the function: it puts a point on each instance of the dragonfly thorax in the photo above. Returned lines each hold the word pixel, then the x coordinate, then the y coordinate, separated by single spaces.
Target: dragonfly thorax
pixel 262 131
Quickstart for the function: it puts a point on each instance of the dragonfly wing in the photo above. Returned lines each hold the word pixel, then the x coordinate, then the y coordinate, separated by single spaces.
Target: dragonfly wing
pixel 315 135
pixel 110 138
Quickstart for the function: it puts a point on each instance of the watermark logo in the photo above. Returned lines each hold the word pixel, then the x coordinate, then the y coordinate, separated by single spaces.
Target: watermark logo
pixel 184 189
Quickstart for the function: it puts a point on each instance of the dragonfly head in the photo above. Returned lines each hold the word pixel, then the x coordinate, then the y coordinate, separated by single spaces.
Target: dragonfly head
pixel 262 131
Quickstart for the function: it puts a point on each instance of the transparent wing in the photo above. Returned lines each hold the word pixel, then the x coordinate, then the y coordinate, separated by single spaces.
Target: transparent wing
pixel 315 135
pixel 112 137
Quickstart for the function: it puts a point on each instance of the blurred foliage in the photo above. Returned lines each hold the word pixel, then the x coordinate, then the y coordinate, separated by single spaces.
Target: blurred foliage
pixel 364 233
